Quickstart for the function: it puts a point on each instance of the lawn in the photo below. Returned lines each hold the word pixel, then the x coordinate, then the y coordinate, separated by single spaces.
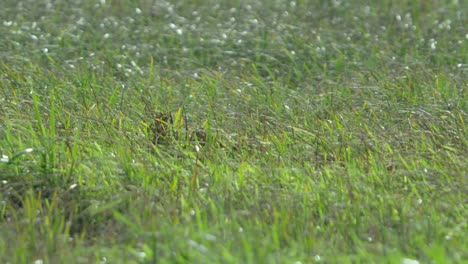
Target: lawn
pixel 236 131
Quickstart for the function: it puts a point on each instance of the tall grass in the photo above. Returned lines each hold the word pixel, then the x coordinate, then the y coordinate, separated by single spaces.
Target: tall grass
pixel 300 131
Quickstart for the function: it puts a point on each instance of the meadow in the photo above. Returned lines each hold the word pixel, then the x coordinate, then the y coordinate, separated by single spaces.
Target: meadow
pixel 238 131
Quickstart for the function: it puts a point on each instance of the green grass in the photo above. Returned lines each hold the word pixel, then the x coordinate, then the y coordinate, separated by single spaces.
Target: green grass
pixel 335 131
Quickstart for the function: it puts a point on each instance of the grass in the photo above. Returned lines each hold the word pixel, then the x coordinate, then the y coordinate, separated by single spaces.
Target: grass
pixel 330 131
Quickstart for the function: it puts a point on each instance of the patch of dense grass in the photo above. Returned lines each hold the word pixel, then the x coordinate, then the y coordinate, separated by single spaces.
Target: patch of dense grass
pixel 300 131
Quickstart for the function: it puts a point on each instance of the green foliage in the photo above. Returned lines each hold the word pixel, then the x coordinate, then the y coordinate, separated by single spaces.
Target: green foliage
pixel 233 131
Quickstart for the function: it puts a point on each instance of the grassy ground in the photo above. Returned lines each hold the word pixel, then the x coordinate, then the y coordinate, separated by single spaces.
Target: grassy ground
pixel 294 131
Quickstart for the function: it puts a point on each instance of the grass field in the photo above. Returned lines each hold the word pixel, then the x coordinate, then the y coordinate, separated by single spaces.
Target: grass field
pixel 237 131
